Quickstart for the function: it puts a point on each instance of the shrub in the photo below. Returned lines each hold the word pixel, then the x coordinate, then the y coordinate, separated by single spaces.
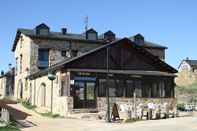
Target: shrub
pixel 180 107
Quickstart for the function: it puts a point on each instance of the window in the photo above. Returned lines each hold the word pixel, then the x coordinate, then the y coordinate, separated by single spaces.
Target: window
pixel 115 88
pixel 43 58
pixel 63 53
pixel 161 89
pixel 146 89
pixel 169 89
pixel 16 68
pixel 138 88
pixel 21 41
pixel 154 90
pixel 129 88
pixel 74 53
pixel 21 60
pixel 102 88
pixel 62 88
pixel 92 36
pixel 119 88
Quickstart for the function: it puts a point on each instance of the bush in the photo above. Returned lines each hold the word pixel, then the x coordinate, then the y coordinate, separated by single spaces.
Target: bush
pixel 180 107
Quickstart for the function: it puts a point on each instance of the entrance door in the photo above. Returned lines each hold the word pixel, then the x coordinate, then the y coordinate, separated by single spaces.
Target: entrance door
pixel 84 94
pixel 90 95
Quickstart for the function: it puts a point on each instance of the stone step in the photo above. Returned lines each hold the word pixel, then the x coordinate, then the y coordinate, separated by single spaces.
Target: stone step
pixel 84 110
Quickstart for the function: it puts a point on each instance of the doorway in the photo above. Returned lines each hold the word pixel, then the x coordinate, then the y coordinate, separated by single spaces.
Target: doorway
pixel 84 94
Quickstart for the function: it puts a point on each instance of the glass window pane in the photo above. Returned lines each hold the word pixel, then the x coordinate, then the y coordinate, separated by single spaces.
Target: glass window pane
pixel 90 91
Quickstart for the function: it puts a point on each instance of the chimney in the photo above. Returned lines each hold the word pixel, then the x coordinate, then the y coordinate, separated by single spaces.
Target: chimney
pixel 64 31
pixel 2 73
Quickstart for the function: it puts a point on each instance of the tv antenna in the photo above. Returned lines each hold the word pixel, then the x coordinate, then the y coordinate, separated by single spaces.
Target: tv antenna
pixel 86 23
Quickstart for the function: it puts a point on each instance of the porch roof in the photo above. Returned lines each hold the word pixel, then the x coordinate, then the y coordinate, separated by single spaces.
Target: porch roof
pixel 126 72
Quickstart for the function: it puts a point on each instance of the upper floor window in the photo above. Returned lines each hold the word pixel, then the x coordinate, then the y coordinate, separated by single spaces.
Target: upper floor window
pixel 16 68
pixel 21 41
pixel 43 58
pixel 21 64
pixel 91 34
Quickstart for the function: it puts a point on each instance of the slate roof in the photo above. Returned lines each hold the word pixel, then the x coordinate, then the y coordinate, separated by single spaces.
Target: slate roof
pixel 9 73
pixel 150 44
pixel 71 36
pixel 52 35
pixel 156 60
pixel 192 63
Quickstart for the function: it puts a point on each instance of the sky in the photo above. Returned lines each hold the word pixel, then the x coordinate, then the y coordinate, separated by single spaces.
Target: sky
pixel 172 23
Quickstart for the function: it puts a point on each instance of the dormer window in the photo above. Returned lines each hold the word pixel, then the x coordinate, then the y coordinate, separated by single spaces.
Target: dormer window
pixel 109 36
pixel 42 29
pixel 91 34
pixel 139 39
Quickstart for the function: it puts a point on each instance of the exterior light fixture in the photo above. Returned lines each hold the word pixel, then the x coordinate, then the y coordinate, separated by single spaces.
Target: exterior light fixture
pixel 51 77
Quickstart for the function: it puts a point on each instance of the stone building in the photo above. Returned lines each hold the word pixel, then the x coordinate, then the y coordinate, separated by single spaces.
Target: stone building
pixel 84 64
pixel 187 74
pixel 7 84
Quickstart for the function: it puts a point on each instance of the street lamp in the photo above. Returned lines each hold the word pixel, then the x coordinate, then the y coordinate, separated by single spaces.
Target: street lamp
pixel 51 77
pixel 108 119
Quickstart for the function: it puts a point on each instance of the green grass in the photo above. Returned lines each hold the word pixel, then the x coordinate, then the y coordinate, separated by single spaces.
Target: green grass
pixel 190 89
pixel 49 114
pixel 10 127
pixel 28 105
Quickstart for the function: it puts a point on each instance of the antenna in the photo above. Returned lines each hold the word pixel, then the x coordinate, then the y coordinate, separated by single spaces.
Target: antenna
pixel 86 23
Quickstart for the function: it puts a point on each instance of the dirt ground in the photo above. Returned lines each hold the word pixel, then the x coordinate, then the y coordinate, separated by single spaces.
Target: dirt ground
pixel 39 123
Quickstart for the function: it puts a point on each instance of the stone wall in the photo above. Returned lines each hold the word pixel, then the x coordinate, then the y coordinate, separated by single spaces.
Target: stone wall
pixel 28 48
pixel 41 94
pixel 23 48
pixel 129 102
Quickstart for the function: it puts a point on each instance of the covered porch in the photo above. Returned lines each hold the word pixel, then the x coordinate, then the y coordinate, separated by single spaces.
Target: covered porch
pixel 88 87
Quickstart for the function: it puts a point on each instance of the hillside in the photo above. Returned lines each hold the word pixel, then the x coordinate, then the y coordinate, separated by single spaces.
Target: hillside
pixel 187 93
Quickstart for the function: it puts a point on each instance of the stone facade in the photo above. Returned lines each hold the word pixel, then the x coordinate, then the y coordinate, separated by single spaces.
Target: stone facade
pixel 22 51
pixel 28 49
pixel 7 84
pixel 2 87
pixel 102 106
pixel 38 91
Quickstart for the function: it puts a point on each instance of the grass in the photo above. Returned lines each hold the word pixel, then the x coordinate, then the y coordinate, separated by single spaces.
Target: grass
pixel 28 105
pixel 50 115
pixel 190 89
pixel 131 120
pixel 10 127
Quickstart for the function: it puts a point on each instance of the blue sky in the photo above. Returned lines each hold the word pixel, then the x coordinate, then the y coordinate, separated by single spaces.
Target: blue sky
pixel 172 23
